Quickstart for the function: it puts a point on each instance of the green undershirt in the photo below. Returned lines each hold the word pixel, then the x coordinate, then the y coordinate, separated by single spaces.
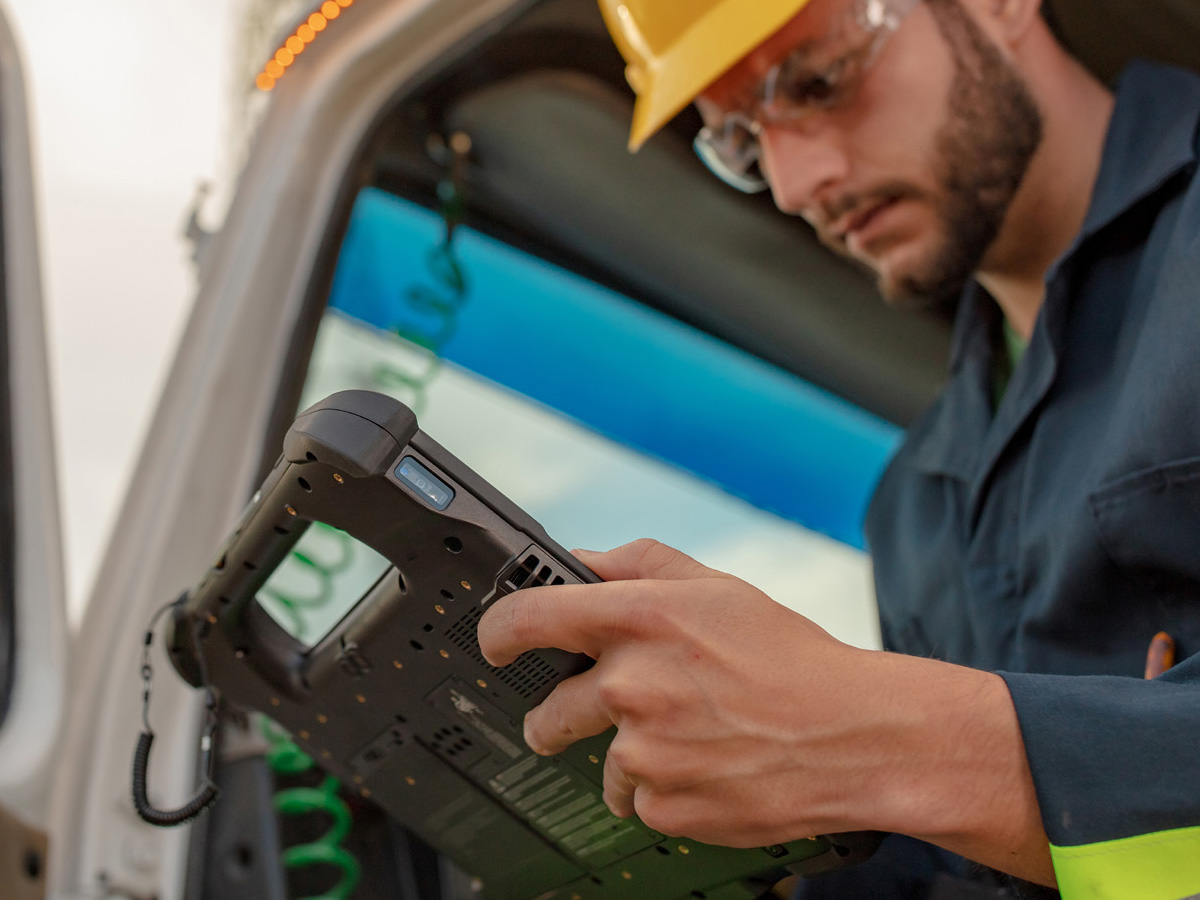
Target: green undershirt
pixel 1006 362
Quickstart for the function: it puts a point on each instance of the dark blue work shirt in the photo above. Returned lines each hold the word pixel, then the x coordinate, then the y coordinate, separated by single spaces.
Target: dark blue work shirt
pixel 1051 537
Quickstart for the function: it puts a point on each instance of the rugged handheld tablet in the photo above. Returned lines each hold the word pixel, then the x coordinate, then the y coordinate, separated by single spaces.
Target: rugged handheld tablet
pixel 344 605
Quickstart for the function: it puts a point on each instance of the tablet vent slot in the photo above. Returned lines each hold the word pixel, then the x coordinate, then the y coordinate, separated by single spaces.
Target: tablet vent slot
pixel 451 741
pixel 527 675
pixel 530 572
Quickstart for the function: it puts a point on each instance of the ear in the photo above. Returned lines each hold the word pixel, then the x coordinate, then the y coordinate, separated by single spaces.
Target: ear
pixel 1016 17
pixel 1007 20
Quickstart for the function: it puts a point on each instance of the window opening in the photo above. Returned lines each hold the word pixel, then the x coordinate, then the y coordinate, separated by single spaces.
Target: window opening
pixel 631 374
pixel 605 420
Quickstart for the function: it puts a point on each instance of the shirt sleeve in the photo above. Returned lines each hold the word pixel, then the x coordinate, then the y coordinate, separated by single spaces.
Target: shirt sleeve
pixel 1116 766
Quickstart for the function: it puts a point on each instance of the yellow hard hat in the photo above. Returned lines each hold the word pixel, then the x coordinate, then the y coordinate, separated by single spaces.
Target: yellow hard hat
pixel 677 48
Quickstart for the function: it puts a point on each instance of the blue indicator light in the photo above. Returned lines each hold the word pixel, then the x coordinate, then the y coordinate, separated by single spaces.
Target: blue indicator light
pixel 420 479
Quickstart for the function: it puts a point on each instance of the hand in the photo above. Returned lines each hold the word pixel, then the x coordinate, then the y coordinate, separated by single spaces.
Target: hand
pixel 742 723
pixel 727 704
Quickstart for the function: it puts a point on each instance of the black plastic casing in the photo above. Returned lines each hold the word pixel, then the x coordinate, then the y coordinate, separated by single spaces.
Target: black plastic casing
pixel 397 700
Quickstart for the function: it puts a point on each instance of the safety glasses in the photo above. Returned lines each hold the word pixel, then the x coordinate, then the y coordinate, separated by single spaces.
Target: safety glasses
pixel 811 78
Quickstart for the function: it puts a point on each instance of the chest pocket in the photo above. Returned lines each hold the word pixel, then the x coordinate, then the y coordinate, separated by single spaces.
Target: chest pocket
pixel 1149 522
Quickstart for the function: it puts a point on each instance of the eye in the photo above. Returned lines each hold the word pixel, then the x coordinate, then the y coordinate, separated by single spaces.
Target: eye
pixel 812 90
pixel 806 86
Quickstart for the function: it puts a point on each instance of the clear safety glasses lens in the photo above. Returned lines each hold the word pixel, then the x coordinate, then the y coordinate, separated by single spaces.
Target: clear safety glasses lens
pixel 733 156
pixel 826 77
pixel 794 88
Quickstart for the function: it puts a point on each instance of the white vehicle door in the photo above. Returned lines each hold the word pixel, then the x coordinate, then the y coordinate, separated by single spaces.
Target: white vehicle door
pixel 33 634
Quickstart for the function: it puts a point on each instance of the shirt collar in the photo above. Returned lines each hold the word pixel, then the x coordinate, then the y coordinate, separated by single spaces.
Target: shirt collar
pixel 1151 137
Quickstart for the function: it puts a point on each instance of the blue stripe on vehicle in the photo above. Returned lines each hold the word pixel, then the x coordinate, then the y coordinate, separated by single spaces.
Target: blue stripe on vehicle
pixel 635 375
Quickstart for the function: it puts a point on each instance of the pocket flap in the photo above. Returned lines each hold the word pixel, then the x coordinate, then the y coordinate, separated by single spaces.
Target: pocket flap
pixel 1151 519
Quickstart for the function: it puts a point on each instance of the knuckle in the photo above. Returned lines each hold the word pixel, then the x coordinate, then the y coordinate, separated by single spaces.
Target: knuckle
pixel 657 612
pixel 624 757
pixel 642 546
pixel 651 552
pixel 658 812
pixel 523 618
pixel 643 554
pixel 667 561
pixel 628 621
pixel 640 762
pixel 559 720
pixel 647 609
pixel 617 694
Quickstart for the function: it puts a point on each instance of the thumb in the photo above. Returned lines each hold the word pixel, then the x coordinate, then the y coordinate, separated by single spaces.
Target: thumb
pixel 645 559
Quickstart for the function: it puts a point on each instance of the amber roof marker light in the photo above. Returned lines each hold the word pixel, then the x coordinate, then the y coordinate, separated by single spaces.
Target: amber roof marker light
pixel 291 48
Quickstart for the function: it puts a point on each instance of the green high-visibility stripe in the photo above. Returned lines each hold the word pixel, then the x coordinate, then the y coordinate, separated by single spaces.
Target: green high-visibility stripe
pixel 1160 866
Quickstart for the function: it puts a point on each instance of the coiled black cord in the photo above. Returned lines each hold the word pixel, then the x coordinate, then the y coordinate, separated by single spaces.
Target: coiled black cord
pixel 163 817
pixel 208 792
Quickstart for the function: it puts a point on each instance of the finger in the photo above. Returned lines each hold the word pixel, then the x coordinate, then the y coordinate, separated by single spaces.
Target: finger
pixel 579 618
pixel 619 789
pixel 713 817
pixel 645 559
pixel 572 712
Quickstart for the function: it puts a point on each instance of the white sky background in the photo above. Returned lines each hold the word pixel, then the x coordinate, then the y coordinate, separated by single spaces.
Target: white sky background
pixel 129 106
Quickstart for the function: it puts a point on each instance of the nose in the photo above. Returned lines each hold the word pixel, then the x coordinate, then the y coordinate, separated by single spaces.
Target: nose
pixel 802 165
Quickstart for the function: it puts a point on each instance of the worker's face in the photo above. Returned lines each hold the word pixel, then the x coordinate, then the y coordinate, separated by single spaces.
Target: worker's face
pixel 914 173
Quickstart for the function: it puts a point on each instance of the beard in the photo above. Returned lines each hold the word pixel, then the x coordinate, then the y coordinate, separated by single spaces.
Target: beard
pixel 982 151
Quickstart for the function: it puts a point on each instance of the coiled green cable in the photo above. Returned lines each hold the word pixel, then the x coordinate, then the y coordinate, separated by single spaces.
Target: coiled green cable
pixel 285 758
pixel 292 604
pixel 433 307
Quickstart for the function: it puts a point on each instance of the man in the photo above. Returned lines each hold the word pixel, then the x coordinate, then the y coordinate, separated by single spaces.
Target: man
pixel 1042 521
